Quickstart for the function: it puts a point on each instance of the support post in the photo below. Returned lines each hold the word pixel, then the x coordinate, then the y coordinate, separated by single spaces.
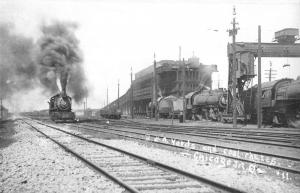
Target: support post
pixel 1 108
pixel 86 103
pixel 155 90
pixel 118 94
pixel 234 31
pixel 107 97
pixel 259 116
pixel 183 90
pixel 131 98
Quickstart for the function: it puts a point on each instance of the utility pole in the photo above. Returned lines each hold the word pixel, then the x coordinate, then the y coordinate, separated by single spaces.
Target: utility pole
pixel 86 103
pixel 179 53
pixel 118 94
pixel 270 73
pixel 259 116
pixel 107 96
pixel 183 89
pixel 155 90
pixel 233 32
pixel 1 108
pixel 131 97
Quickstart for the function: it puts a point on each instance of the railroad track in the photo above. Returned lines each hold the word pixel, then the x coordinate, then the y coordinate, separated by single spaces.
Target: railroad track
pixel 256 137
pixel 285 167
pixel 133 172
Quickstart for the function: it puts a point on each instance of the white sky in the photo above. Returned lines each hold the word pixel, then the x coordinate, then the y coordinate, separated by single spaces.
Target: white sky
pixel 117 35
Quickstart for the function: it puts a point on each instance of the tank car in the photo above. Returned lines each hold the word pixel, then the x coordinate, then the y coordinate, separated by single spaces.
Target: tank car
pixel 60 108
pixel 209 104
pixel 280 102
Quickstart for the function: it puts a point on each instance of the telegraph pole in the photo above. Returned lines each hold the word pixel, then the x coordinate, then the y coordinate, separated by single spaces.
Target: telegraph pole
pixel 118 94
pixel 107 96
pixel 233 32
pixel 270 73
pixel 183 89
pixel 131 97
pixel 86 103
pixel 155 90
pixel 259 116
pixel 1 108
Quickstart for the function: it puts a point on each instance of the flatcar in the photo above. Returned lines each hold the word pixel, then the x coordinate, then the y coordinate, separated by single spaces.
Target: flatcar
pixel 60 108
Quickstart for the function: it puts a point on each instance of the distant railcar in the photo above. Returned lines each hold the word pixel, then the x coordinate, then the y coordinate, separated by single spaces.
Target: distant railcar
pixel 60 108
pixel 112 113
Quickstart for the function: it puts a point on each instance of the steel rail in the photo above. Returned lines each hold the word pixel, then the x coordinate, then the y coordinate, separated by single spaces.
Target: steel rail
pixel 283 131
pixel 220 129
pixel 153 162
pixel 216 137
pixel 98 169
pixel 231 148
pixel 213 153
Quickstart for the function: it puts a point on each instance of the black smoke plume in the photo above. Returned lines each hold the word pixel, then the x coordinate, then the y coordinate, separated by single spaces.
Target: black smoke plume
pixel 26 65
pixel 59 54
pixel 17 68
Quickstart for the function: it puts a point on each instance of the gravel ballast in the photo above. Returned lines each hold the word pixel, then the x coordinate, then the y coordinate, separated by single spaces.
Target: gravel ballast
pixel 35 164
pixel 242 180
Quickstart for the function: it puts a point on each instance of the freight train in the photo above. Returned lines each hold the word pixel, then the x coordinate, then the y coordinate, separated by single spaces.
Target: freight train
pixel 60 108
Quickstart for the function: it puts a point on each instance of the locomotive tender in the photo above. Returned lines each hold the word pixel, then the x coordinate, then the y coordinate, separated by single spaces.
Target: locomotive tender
pixel 60 108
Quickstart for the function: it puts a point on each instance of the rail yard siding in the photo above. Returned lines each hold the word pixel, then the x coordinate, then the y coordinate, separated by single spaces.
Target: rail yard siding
pixel 207 156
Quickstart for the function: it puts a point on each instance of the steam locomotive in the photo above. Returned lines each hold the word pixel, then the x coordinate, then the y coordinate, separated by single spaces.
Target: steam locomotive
pixel 60 108
pixel 209 104
pixel 280 102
